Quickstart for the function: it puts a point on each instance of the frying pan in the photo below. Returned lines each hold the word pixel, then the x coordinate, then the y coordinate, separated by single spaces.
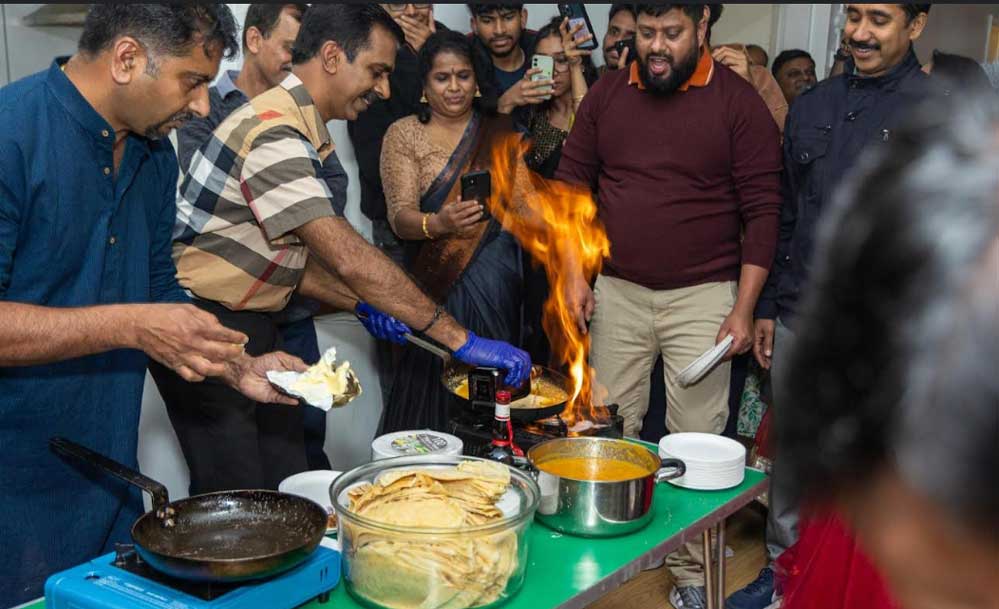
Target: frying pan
pixel 228 536
pixel 457 373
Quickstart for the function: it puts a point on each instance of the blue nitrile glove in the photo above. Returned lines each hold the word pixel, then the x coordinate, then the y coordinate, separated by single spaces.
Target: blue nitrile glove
pixel 380 325
pixel 496 354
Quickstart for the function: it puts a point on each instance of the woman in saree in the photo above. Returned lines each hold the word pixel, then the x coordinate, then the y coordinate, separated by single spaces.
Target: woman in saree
pixel 456 250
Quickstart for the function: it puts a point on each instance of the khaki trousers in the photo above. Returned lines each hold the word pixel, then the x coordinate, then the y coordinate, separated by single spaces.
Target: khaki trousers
pixel 631 326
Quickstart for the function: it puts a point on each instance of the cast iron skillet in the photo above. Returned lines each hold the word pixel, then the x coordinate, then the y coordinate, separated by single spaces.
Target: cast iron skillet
pixel 227 536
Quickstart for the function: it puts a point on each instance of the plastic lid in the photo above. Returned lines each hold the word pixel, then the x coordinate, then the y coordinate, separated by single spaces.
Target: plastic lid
pixel 503 396
pixel 415 442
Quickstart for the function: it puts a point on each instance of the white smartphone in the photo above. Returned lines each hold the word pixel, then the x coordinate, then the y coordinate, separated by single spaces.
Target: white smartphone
pixel 547 66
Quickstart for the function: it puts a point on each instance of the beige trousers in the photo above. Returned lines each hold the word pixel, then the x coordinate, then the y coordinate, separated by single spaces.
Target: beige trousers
pixel 631 326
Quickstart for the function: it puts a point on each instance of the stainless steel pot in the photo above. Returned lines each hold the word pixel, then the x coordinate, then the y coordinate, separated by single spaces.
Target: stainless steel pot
pixel 590 508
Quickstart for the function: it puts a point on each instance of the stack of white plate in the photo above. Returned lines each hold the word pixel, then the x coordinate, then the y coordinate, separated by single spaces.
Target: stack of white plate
pixel 713 462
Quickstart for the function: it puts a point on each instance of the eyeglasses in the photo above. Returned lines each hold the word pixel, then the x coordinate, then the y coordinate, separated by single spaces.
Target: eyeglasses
pixel 560 59
pixel 398 8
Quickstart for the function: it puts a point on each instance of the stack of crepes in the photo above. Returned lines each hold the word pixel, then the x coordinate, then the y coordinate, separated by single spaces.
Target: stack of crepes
pixel 452 570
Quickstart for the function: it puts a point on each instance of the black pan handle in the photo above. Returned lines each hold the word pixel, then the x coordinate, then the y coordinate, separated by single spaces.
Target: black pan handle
pixel 67 448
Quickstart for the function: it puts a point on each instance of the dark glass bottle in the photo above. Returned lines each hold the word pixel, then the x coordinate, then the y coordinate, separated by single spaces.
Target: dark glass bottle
pixel 500 449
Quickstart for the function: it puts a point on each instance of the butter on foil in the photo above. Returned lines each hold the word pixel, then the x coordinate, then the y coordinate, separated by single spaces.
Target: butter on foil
pixel 324 385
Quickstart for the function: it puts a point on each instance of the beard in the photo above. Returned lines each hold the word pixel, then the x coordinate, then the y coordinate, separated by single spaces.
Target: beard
pixel 159 131
pixel 679 71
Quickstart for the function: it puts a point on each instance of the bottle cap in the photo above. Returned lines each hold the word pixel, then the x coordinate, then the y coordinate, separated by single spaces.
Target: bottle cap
pixel 503 396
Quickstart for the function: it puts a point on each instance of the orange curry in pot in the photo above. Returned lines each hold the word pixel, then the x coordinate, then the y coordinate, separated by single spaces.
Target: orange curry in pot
pixel 595 469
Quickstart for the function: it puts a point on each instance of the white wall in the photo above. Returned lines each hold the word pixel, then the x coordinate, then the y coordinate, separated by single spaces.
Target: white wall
pixel 4 76
pixel 30 49
pixel 810 27
pixel 748 24
pixel 957 28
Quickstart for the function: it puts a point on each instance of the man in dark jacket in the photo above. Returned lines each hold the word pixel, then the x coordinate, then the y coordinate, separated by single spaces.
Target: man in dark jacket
pixel 827 129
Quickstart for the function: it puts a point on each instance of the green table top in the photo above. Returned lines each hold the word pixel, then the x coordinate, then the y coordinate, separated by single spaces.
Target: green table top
pixel 566 572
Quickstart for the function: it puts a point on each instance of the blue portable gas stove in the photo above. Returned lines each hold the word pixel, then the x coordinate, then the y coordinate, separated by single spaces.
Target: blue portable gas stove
pixel 121 580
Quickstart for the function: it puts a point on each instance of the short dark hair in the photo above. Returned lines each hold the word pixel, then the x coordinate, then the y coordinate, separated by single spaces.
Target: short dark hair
pixel 449 41
pixel 694 11
pixel 789 55
pixel 172 29
pixel 958 73
pixel 912 10
pixel 349 25
pixel 893 361
pixel 618 7
pixel 265 16
pixel 484 9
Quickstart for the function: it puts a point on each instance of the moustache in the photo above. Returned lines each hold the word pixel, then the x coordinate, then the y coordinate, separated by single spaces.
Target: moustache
pixel 371 97
pixel 865 46
pixel 156 131
pixel 179 118
pixel 499 39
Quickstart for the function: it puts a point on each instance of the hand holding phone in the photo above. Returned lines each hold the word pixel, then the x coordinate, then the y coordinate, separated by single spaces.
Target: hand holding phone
pixel 546 66
pixel 576 14
pixel 625 51
pixel 477 186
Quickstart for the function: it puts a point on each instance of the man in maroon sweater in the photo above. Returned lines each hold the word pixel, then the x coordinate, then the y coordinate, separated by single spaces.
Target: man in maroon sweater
pixel 685 159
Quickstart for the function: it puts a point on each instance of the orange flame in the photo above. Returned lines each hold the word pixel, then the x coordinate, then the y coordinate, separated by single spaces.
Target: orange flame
pixel 557 225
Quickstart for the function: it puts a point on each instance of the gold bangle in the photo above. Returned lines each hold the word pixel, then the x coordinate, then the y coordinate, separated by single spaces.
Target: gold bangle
pixel 426 232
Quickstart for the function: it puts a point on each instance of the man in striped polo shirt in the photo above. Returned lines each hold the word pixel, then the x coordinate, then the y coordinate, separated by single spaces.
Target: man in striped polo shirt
pixel 255 224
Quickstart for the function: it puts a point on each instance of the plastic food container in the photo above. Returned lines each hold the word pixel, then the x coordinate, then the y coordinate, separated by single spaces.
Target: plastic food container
pixel 465 567
pixel 415 443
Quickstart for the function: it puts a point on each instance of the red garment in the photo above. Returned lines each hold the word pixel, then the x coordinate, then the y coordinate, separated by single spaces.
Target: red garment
pixel 827 569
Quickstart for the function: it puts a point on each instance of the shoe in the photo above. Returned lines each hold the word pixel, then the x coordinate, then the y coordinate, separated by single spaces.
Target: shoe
pixel 758 594
pixel 688 597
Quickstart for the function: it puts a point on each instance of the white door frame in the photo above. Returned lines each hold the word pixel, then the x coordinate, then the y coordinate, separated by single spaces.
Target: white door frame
pixel 810 27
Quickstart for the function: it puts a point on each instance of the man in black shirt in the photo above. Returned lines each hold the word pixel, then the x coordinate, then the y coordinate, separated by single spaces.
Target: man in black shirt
pixel 367 131
pixel 621 26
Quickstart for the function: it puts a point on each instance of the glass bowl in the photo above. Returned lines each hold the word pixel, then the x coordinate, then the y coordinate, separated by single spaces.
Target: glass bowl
pixel 397 567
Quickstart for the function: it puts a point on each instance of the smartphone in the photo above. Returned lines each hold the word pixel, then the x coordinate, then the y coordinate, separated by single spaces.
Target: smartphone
pixel 576 14
pixel 477 186
pixel 547 66
pixel 626 43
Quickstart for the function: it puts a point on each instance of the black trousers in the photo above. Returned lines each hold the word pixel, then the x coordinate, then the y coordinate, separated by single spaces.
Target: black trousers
pixel 229 441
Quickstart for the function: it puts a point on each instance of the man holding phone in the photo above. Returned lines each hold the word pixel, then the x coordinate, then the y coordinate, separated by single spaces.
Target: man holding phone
pixel 619 40
pixel 500 31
